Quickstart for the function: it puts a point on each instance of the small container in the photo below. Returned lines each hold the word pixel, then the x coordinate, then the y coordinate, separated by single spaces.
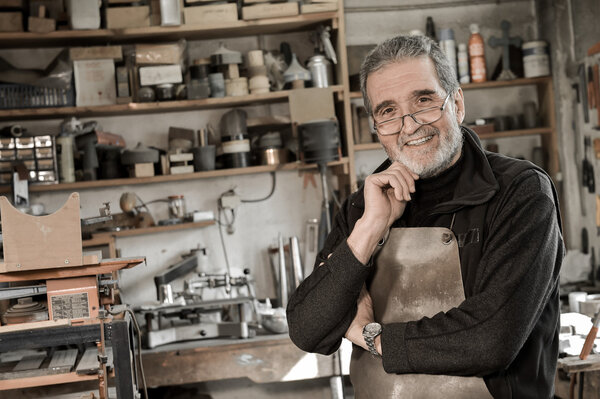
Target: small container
pixel 216 82
pixel 164 92
pixel 176 206
pixel 536 61
pixel 146 94
pixel 320 71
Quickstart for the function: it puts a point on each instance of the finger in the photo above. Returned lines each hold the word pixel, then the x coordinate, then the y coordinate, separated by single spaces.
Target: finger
pixel 409 179
pixel 398 184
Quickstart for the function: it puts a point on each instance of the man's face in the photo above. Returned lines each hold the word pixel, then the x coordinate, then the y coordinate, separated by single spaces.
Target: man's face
pixel 408 86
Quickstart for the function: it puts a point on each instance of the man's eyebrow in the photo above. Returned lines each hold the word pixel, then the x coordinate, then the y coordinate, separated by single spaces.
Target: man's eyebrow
pixel 382 105
pixel 424 92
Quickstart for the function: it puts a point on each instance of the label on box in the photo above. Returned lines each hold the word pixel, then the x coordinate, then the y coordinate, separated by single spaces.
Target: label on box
pixel 156 75
pixel 95 82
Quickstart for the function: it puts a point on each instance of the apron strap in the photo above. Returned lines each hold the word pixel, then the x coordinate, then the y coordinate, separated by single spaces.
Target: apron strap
pixel 453 218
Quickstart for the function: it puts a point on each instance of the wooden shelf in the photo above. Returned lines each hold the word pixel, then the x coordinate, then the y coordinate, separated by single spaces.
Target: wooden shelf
pixel 168 33
pixel 83 185
pixel 507 83
pixel 490 84
pixel 152 230
pixel 146 108
pixel 44 380
pixel 486 136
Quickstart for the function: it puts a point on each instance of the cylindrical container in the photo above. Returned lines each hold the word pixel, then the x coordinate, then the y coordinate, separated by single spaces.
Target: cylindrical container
pixel 258 84
pixel 448 46
pixel 146 94
pixel 463 64
pixel 255 58
pixel 536 61
pixel 320 71
pixel 164 92
pixel 170 13
pixel 430 29
pixel 477 55
pixel 176 206
pixel 574 299
pixel 216 82
pixel 67 164
pixel 204 158
pixel 236 87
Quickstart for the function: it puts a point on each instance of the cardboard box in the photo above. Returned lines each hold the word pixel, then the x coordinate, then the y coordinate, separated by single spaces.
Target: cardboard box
pixel 261 11
pixel 158 54
pixel 96 53
pixel 11 22
pixel 127 17
pixel 95 82
pixel 210 14
pixel 318 7
pixel 157 75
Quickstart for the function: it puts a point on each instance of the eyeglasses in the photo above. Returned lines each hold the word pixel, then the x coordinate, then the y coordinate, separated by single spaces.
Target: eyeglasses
pixel 425 116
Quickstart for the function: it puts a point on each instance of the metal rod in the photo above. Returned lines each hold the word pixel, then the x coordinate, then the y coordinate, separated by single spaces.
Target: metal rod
pixel 283 284
pixel 296 261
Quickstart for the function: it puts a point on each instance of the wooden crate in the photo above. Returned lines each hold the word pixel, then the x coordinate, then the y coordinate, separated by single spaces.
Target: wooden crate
pixel 273 10
pixel 210 14
pixel 127 17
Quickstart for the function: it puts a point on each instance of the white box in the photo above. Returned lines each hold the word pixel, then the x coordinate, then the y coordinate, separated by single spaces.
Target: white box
pixel 95 82
pixel 156 75
pixel 84 14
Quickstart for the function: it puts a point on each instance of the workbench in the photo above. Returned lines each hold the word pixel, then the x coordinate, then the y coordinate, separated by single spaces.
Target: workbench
pixel 262 359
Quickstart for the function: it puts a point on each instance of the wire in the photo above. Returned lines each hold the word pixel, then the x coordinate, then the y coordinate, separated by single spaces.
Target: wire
pixel 274 182
pixel 139 345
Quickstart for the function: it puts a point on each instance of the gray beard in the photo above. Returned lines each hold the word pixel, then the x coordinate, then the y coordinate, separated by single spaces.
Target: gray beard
pixel 443 157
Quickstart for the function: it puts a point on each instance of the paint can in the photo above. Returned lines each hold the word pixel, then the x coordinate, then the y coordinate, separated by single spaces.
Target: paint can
pixel 536 60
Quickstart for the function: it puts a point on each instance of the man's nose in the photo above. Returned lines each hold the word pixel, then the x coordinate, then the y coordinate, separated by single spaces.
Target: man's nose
pixel 410 126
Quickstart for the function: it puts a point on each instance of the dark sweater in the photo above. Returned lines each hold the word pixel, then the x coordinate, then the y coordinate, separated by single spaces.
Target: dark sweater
pixel 507 224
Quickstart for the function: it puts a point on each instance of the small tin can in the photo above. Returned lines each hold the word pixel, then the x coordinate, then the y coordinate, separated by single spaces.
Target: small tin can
pixel 320 70
pixel 536 61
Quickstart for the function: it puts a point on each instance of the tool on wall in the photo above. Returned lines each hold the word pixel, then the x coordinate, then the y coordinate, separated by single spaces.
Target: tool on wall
pixel 583 93
pixel 589 179
pixel 505 43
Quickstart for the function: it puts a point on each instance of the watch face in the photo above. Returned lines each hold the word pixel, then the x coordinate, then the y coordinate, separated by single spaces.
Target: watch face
pixel 373 329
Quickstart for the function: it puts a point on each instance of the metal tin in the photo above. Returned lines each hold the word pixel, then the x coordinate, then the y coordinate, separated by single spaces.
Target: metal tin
pixel 536 61
pixel 320 70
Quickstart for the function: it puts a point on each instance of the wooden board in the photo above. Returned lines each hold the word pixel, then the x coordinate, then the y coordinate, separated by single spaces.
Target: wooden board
pixel 260 11
pixel 106 266
pixel 96 53
pixel 210 13
pixel 318 7
pixel 34 325
pixel 11 22
pixel 41 242
pixel 311 104
pixel 89 361
pixel 573 364
pixel 127 17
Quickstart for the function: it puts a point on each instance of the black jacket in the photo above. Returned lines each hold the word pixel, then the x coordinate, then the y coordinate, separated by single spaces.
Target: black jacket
pixel 508 227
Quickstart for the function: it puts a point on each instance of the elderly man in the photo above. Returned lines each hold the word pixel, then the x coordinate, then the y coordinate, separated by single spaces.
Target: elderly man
pixel 443 268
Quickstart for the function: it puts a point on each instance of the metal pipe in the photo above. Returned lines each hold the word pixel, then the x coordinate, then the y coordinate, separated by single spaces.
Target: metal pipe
pixel 283 281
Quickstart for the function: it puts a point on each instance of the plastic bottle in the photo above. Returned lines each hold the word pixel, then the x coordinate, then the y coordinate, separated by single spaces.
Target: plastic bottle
pixel 463 64
pixel 448 46
pixel 477 55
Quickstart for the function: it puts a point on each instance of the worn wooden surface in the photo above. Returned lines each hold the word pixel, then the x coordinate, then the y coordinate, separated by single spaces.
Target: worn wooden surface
pixel 573 364
pixel 106 266
pixel 266 360
pixel 41 242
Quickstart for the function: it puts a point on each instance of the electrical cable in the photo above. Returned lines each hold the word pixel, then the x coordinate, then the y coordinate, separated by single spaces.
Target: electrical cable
pixel 139 345
pixel 274 182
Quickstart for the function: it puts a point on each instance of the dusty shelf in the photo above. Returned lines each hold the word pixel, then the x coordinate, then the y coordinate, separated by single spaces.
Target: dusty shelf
pixel 83 185
pixel 219 29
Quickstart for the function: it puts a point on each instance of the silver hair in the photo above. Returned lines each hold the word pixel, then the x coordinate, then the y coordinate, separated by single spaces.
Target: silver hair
pixel 405 47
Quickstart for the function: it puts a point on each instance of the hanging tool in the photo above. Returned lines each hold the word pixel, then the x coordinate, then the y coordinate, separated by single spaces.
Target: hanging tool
pixel 583 171
pixel 589 340
pixel 597 93
pixel 327 46
pixel 583 93
pixel 589 180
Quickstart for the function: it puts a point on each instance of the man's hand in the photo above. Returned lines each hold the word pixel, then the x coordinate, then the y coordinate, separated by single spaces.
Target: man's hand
pixel 364 316
pixel 386 194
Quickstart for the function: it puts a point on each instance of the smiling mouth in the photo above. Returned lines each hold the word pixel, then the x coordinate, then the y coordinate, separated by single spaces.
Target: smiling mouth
pixel 420 141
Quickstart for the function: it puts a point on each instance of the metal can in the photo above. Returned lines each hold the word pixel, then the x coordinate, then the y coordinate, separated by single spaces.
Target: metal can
pixel 536 61
pixel 320 70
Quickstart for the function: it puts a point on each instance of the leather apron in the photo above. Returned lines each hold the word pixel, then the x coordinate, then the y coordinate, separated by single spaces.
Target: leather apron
pixel 417 274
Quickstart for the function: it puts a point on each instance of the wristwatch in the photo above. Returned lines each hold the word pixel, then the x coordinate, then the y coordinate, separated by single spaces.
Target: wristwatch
pixel 370 331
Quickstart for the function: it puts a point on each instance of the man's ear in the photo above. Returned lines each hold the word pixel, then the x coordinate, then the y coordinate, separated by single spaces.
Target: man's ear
pixel 459 105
